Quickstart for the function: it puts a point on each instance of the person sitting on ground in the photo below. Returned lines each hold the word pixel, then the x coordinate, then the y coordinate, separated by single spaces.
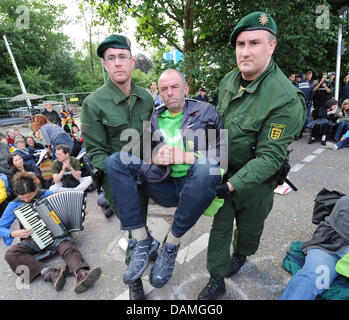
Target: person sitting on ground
pixel 31 143
pixel 325 122
pixel 343 120
pixel 29 155
pixel 66 172
pixel 77 140
pixel 11 135
pixel 344 142
pixel 24 252
pixel 38 137
pixel 4 152
pixel 329 244
pixel 16 163
pixel 68 126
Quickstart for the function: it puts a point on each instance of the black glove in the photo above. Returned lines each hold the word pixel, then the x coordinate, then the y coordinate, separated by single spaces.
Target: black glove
pixel 222 191
pixel 97 178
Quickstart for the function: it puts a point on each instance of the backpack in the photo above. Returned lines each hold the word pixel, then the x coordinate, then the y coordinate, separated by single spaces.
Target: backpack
pixel 325 200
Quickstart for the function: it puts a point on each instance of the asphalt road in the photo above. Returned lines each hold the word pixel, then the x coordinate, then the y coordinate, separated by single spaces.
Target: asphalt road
pixel 261 278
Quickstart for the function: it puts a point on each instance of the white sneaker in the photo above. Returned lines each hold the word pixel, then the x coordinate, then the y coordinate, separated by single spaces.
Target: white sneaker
pixel 330 145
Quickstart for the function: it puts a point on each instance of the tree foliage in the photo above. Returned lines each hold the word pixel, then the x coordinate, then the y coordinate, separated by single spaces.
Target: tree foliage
pixel 201 30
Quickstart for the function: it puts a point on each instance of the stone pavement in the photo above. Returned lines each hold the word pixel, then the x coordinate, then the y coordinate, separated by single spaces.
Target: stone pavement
pixel 261 278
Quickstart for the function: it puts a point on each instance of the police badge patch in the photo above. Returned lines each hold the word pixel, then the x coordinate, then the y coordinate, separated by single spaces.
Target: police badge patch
pixel 276 131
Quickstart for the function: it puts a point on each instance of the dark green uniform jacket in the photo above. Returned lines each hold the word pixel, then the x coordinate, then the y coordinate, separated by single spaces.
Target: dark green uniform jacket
pixel 262 120
pixel 106 113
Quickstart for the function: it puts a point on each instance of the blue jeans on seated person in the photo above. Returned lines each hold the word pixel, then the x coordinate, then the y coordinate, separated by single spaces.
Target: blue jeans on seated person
pixel 342 128
pixel 342 144
pixel 315 277
pixel 191 194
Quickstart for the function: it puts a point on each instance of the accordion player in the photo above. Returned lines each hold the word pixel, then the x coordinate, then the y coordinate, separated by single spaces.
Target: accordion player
pixel 53 216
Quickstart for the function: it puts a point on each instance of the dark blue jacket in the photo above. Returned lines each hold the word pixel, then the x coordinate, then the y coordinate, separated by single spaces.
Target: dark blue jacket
pixel 200 127
pixel 307 89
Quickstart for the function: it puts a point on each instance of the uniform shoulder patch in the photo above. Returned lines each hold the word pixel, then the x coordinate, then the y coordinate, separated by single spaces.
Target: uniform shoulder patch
pixel 276 131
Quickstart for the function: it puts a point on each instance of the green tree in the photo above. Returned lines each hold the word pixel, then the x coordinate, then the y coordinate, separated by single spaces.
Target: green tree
pixel 35 40
pixel 201 31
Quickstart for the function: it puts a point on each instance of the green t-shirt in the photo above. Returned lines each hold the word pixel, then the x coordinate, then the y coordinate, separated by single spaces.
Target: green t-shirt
pixel 170 125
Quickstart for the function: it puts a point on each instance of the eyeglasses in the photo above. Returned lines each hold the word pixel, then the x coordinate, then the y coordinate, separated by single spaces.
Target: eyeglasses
pixel 121 58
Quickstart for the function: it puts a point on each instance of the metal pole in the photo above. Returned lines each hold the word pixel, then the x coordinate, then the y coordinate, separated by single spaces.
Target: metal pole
pixel 17 71
pixel 103 70
pixel 338 63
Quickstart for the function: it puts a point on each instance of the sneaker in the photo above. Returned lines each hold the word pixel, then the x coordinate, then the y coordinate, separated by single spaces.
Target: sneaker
pixel 311 140
pixel 56 276
pixel 136 291
pixel 237 261
pixel 164 265
pixel 214 288
pixel 139 258
pixel 86 279
pixel 330 145
pixel 323 142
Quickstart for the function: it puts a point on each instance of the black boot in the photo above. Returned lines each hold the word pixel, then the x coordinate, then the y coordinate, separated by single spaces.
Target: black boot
pixel 136 290
pixel 237 261
pixel 214 288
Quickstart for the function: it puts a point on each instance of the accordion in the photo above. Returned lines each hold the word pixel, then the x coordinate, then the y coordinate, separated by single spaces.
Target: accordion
pixel 53 216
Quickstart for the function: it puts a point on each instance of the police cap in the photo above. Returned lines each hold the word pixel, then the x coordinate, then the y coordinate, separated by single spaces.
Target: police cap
pixel 116 41
pixel 254 21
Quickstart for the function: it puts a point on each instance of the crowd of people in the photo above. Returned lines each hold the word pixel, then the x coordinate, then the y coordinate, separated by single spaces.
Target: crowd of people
pixel 34 151
pixel 327 118
pixel 229 177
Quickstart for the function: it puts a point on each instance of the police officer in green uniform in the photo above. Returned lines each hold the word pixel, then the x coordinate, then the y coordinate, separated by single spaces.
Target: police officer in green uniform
pixel 262 112
pixel 117 105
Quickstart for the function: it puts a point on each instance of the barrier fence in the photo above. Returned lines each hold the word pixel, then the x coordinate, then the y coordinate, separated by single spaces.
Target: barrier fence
pixel 18 112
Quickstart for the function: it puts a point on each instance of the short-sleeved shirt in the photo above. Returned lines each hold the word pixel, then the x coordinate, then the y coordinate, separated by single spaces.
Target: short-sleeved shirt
pixel 57 166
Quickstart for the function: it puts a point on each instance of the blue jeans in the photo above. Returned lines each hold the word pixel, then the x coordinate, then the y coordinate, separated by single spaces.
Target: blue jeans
pixel 343 127
pixel 191 194
pixel 63 138
pixel 314 278
pixel 343 143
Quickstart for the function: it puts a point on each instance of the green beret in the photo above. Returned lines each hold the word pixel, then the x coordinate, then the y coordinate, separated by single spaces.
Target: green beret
pixel 254 21
pixel 116 41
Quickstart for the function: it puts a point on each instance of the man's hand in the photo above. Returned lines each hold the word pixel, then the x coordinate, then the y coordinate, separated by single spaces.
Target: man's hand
pixel 178 156
pixel 21 233
pixel 163 156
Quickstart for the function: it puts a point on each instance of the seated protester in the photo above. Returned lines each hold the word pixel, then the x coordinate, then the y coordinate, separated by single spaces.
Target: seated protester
pixel 4 152
pixel 325 122
pixel 344 141
pixel 29 155
pixel 68 126
pixel 39 138
pixel 66 172
pixel 330 242
pixel 343 120
pixel 180 171
pixel 11 135
pixel 17 164
pixel 23 252
pixel 4 192
pixel 31 143
pixel 77 140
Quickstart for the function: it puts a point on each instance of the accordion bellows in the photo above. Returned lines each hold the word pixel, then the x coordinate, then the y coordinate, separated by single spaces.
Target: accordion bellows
pixel 53 216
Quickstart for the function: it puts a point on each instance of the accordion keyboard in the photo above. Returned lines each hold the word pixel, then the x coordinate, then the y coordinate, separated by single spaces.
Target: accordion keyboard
pixel 30 219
